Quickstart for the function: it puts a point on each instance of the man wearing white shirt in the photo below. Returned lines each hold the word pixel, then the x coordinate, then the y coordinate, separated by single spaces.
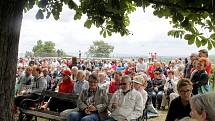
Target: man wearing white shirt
pixel 141 66
pixel 55 63
pixel 126 103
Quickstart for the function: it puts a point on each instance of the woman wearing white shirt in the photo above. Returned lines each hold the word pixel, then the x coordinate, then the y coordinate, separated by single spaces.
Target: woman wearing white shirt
pixel 139 83
pixel 170 89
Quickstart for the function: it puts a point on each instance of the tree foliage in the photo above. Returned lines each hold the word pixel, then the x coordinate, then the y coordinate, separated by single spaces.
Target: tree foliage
pixel 189 18
pixel 61 53
pixel 29 54
pixel 100 49
pixel 46 49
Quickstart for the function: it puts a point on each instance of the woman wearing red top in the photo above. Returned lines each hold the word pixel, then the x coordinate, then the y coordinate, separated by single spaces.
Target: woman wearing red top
pixel 114 84
pixel 151 70
pixel 65 86
pixel 129 69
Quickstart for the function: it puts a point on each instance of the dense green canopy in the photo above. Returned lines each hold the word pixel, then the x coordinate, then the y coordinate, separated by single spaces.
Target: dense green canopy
pixel 100 49
pixel 191 19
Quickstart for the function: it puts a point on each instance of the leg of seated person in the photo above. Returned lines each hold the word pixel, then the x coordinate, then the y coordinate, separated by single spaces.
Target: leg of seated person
pixel 19 99
pixel 159 98
pixel 91 117
pixel 63 105
pixel 53 104
pixel 164 101
pixel 153 98
pixel 110 119
pixel 151 109
pixel 75 116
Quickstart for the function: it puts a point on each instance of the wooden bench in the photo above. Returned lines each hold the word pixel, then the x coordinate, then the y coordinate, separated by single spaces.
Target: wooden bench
pixel 36 111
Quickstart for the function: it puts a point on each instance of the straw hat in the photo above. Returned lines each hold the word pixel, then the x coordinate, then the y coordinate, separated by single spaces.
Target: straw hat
pixel 139 79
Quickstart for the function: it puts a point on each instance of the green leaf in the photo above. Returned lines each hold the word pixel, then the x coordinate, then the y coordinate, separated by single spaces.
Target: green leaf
pixel 31 4
pixel 88 23
pixel 109 33
pixel 72 4
pixel 48 15
pixel 185 23
pixel 204 42
pixel 101 31
pixel 198 42
pixel 39 14
pixel 105 34
pixel 209 45
pixel 212 36
pixel 77 16
pixel 190 38
pixel 191 41
pixel 42 3
pixel 138 2
pixel 213 43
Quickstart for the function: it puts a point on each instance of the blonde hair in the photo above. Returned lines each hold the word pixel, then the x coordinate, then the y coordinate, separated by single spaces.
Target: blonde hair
pixel 183 82
pixel 204 60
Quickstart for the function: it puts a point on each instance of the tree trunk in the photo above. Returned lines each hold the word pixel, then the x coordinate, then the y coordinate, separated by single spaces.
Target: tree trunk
pixel 10 24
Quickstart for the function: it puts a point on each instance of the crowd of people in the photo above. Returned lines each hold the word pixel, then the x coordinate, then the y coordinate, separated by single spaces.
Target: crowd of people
pixel 121 90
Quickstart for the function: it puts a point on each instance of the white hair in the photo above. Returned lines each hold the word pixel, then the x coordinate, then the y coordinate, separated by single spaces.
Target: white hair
pixel 205 103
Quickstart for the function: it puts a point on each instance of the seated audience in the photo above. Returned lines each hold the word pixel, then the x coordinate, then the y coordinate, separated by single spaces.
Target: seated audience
pixel 65 86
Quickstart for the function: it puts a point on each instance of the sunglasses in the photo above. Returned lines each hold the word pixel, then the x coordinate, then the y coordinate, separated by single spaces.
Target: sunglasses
pixel 123 84
pixel 65 75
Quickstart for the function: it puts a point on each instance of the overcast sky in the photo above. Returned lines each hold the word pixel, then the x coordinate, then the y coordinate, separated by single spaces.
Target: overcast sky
pixel 149 35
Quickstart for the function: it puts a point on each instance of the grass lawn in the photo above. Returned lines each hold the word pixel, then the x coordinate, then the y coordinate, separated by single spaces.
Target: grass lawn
pixel 162 117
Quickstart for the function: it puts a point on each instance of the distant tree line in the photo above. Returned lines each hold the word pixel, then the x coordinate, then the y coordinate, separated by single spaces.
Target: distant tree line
pixel 45 49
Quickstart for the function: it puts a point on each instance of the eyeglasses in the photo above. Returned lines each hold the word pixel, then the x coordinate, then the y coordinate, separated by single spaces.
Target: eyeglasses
pixel 93 82
pixel 157 73
pixel 185 91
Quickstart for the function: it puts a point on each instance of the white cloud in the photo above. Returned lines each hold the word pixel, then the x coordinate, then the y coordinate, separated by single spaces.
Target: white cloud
pixel 149 35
